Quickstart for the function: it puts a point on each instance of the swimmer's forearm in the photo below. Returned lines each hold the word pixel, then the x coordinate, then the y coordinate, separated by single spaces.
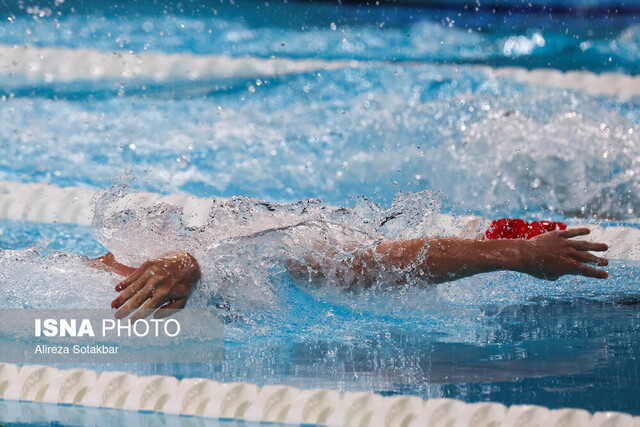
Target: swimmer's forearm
pixel 446 259
pixel 108 262
pixel 546 256
pixel 451 258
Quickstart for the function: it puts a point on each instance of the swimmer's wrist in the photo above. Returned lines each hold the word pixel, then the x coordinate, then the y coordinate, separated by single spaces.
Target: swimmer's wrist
pixel 189 261
pixel 194 262
pixel 526 262
pixel 511 254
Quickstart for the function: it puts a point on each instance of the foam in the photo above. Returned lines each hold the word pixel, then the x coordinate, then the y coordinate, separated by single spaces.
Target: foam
pixel 35 279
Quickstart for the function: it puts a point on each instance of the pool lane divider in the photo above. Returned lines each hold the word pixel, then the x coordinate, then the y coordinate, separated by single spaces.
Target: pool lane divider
pixel 200 397
pixel 57 64
pixel 46 203
pixel 622 86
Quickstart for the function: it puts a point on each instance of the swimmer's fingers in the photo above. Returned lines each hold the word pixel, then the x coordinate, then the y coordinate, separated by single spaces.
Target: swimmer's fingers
pixel 170 308
pixel 574 232
pixel 585 245
pixel 133 303
pixel 587 271
pixel 132 277
pixel 149 307
pixel 139 298
pixel 588 258
pixel 131 289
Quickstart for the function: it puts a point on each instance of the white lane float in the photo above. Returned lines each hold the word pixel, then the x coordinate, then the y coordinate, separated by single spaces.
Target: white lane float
pixel 231 401
pixel 42 65
pixel 568 418
pixel 355 409
pixel 31 383
pixel 272 404
pixel 191 396
pixel 523 415
pixel 613 419
pixel 313 407
pixel 8 374
pixel 151 393
pixel 111 390
pixel 398 411
pixel 482 414
pixel 439 413
pixel 87 391
pixel 70 387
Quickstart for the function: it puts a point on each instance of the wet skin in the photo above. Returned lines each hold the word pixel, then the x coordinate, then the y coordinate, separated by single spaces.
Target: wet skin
pixel 165 283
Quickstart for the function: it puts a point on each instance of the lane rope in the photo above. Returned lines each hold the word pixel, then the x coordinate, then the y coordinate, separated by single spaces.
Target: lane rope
pixel 44 65
pixel 198 397
pixel 47 203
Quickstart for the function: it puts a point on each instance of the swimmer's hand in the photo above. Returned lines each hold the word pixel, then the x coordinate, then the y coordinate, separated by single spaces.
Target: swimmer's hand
pixel 163 283
pixel 546 256
pixel 551 255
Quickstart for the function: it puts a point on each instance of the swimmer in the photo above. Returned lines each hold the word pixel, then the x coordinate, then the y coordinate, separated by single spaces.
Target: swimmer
pixel 165 283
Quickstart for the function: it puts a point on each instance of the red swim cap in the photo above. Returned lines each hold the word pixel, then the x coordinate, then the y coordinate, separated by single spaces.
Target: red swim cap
pixel 514 228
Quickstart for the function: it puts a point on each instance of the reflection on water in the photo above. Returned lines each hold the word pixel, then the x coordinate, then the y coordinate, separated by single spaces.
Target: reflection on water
pixel 578 353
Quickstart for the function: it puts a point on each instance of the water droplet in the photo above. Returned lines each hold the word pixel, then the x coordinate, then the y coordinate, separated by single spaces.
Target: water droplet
pixel 183 161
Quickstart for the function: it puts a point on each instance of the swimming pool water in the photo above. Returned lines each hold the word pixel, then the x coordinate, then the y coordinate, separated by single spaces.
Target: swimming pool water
pixel 501 337
pixel 376 128
pixel 413 113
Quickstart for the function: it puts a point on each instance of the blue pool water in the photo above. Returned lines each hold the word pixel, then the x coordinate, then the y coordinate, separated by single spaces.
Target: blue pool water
pixel 413 113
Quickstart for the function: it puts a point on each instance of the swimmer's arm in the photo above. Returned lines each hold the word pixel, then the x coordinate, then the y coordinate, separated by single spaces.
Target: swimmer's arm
pixel 547 256
pixel 108 262
pixel 163 283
